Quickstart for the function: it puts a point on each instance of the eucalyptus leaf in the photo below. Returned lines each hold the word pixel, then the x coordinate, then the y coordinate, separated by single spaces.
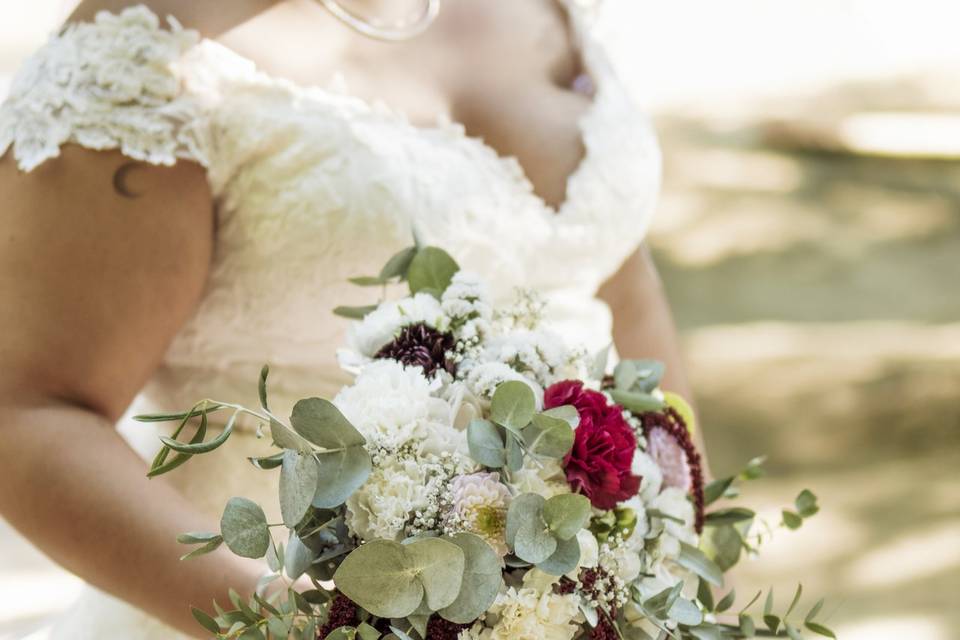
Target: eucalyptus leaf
pixel 320 422
pixel 267 462
pixel 819 629
pixel 566 514
pixel 526 506
pixel 716 490
pixel 481 580
pixel 638 375
pixel 727 601
pixel 354 313
pixel 548 436
pixel 806 503
pixel 379 578
pixel 244 528
pixel 205 620
pixel 486 444
pixel 725 545
pixel 636 402
pixel 210 546
pixel 297 557
pixel 431 268
pixel 286 438
pixel 398 264
pixel 262 386
pixel 791 520
pixel 439 565
pixel 564 560
pixel 299 475
pixel 340 473
pixel 514 453
pixel 533 542
pixel 513 405
pixel 368 281
pixel 693 559
pixel 729 516
pixel 566 412
pixel 685 612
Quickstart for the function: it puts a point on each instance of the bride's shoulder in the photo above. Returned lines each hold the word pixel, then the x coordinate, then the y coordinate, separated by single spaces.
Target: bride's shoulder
pixel 110 82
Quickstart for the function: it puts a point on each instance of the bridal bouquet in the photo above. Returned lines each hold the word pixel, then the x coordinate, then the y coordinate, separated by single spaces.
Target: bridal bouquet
pixel 481 480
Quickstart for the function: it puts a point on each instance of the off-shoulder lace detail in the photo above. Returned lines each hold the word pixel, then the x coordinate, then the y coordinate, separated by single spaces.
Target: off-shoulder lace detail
pixel 109 84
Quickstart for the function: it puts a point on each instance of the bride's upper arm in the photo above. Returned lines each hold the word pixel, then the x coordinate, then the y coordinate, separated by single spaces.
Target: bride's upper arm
pixel 95 283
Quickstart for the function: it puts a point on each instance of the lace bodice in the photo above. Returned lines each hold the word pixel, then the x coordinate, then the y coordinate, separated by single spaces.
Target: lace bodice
pixel 314 185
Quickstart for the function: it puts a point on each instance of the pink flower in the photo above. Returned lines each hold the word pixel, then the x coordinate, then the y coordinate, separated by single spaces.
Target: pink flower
pixel 598 465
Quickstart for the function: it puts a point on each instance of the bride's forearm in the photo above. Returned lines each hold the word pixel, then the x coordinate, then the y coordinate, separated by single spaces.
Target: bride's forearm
pixel 74 489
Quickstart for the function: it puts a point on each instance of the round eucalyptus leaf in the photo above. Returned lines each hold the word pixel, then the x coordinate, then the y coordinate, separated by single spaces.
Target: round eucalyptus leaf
pixel 431 268
pixel 297 557
pixel 378 576
pixel 566 412
pixel 636 402
pixel 481 580
pixel 298 482
pixel 439 565
pixel 513 405
pixel 486 444
pixel 566 514
pixel 339 474
pixel 286 438
pixel 244 528
pixel 548 436
pixel 564 559
pixel 320 422
pixel 526 506
pixel 533 542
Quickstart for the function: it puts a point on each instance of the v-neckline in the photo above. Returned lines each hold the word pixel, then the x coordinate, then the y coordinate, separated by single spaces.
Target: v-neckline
pixel 512 167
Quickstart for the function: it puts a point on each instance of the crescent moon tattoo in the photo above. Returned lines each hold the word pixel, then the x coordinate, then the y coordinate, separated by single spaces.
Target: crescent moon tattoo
pixel 120 180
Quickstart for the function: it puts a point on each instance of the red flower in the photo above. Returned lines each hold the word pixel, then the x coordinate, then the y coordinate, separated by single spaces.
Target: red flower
pixel 599 464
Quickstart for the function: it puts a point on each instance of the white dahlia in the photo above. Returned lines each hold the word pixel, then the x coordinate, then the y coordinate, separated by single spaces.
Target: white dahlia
pixel 480 502
pixel 528 614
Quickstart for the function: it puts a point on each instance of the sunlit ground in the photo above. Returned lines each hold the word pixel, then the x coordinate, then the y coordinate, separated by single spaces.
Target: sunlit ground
pixel 809 236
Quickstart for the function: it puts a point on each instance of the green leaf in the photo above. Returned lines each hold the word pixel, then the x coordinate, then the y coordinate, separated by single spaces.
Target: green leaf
pixel 754 469
pixel 299 477
pixel 398 264
pixel 548 436
pixel 267 462
pixel 366 632
pixel 533 542
pixel 747 626
pixel 707 632
pixel 212 545
pixel 340 473
pixel 819 629
pixel 205 620
pixel 566 412
pixel 320 422
pixel 440 566
pixel 378 577
pixel 806 504
pixel 814 611
pixel 725 546
pixel 685 612
pixel 513 405
pixel 772 621
pixel 793 632
pixel 566 514
pixel 197 538
pixel 526 506
pixel 791 520
pixel 179 416
pixel 481 580
pixel 196 445
pixel 727 601
pixel 716 490
pixel 514 452
pixel 244 528
pixel 636 402
pixel 368 281
pixel 286 438
pixel 486 445
pixel 793 603
pixel 431 269
pixel 564 560
pixel 262 387
pixel 297 557
pixel 729 516
pixel 354 313
pixel 705 595
pixel 696 561
pixel 638 375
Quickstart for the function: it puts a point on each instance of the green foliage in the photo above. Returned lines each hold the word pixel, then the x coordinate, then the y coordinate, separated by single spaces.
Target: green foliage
pixel 486 444
pixel 298 482
pixel 244 528
pixel 543 532
pixel 481 579
pixel 390 580
pixel 549 435
pixel 431 270
pixel 697 562
pixel 513 405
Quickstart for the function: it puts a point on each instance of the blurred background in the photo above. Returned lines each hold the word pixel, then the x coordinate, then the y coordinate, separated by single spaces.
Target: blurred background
pixel 809 238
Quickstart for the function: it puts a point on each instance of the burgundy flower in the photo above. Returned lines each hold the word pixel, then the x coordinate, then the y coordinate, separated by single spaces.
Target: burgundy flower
pixel 599 464
pixel 342 613
pixel 421 345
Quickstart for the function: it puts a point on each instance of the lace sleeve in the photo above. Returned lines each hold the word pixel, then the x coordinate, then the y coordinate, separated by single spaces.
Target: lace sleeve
pixel 109 84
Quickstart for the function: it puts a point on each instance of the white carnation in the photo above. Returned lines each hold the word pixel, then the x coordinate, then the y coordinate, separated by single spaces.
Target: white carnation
pixel 543 477
pixel 652 477
pixel 393 405
pixel 381 325
pixel 392 495
pixel 528 614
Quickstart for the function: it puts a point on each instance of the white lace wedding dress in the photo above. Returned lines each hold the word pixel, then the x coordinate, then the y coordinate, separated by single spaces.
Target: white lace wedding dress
pixel 314 186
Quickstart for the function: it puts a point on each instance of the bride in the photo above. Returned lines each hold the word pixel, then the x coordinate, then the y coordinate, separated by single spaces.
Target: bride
pixel 185 197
